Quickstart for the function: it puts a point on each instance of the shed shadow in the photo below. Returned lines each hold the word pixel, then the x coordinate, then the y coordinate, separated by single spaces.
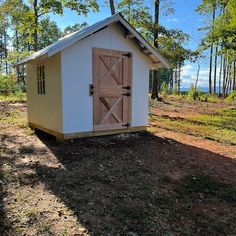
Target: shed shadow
pixel 139 183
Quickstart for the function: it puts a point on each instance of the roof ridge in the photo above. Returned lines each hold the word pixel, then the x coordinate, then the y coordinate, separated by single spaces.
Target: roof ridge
pixel 70 39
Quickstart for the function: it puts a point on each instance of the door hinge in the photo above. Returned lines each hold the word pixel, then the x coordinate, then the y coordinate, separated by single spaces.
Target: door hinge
pixel 126 94
pixel 127 87
pixel 126 125
pixel 127 54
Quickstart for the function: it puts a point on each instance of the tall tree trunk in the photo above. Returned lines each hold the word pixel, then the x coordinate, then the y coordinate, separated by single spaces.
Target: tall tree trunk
pixel 35 33
pixel 1 55
pixel 215 68
pixel 5 51
pixel 210 70
pixel 112 7
pixel 171 79
pixel 17 49
pixel 220 75
pixel 225 66
pixel 179 74
pixel 198 71
pixel 226 79
pixel 230 79
pixel 211 52
pixel 234 76
pixel 155 38
pixel 129 7
pixel 176 80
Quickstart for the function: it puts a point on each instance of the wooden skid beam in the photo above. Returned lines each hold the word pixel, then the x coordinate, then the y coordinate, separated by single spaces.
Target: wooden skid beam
pixel 61 137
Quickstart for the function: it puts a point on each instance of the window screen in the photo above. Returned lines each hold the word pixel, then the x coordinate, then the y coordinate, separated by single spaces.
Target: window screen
pixel 41 79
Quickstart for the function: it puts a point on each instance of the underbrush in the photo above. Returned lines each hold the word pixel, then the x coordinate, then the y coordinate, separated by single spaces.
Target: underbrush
pixel 231 97
pixel 206 97
pixel 10 90
pixel 17 96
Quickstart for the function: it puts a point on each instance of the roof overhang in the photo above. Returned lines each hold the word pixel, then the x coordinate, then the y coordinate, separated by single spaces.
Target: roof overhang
pixel 158 61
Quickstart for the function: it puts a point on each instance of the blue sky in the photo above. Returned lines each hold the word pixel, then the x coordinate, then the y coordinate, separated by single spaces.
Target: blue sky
pixel 185 18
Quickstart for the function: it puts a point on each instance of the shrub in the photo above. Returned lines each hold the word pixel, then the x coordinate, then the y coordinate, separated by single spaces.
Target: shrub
pixel 231 97
pixel 175 90
pixel 164 89
pixel 20 95
pixel 7 84
pixel 193 94
pixel 206 97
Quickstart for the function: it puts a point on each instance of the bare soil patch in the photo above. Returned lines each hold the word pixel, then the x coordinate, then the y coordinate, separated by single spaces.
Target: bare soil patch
pixel 137 184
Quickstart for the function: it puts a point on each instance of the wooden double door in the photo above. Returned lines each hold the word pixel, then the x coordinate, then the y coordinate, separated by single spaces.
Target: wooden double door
pixel 111 89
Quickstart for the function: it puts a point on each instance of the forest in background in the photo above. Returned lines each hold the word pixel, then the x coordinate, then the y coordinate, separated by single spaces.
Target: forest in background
pixel 26 27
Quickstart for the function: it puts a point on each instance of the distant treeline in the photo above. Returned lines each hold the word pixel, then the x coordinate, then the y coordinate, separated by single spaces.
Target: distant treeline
pixel 26 27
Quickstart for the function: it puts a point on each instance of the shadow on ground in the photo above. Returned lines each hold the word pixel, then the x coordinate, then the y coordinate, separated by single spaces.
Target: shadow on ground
pixel 141 184
pixel 2 212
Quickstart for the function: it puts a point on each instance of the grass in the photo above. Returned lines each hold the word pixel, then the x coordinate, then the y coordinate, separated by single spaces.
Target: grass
pixel 220 127
pixel 224 119
pixel 206 97
pixel 13 117
pixel 18 96
pixel 231 98
pixel 209 132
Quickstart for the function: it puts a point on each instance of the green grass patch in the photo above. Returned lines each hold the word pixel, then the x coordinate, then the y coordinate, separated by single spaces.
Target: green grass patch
pixel 224 119
pixel 13 118
pixel 231 98
pixel 206 97
pixel 220 127
pixel 18 96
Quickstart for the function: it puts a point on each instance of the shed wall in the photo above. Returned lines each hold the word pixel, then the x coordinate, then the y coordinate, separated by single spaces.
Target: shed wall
pixel 45 109
pixel 76 70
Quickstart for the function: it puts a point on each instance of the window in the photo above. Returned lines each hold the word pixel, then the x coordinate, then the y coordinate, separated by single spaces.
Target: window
pixel 41 79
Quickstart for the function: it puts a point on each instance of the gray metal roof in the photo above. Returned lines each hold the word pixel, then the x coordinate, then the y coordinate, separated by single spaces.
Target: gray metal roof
pixel 72 38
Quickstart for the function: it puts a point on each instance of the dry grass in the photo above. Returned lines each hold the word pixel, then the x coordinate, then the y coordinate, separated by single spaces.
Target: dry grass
pixel 212 122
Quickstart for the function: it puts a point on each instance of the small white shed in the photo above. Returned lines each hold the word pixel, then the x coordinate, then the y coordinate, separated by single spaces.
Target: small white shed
pixel 91 82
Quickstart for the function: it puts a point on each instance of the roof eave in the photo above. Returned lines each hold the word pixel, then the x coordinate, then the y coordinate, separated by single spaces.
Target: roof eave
pixel 157 59
pixel 85 35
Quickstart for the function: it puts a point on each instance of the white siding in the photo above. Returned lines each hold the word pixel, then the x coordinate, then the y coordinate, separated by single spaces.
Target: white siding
pixel 76 74
pixel 45 109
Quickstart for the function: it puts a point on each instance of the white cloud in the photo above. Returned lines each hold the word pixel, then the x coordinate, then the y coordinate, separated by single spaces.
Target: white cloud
pixel 172 20
pixel 189 75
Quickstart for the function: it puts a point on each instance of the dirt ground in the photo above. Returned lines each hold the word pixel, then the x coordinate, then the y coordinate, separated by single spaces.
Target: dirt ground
pixel 165 183
pixel 181 110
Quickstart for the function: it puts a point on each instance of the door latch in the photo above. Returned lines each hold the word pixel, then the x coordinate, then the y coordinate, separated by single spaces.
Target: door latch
pixel 126 125
pixel 90 90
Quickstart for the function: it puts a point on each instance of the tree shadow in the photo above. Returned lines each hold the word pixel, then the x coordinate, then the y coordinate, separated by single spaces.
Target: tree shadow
pixel 12 171
pixel 139 184
pixel 5 225
pixel 2 196
pixel 132 184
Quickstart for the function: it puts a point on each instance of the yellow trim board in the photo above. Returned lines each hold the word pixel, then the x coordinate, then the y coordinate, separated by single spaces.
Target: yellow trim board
pixel 60 137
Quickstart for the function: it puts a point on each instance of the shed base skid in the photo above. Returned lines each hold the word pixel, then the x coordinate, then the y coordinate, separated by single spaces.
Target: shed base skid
pixel 61 137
